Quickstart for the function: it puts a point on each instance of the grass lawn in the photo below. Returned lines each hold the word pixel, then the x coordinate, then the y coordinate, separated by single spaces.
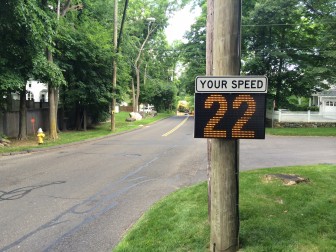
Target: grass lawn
pixel 273 216
pixel 302 131
pixel 66 137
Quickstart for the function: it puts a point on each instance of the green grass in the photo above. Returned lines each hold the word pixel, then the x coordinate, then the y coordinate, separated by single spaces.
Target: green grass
pixel 176 223
pixel 67 137
pixel 273 216
pixel 302 131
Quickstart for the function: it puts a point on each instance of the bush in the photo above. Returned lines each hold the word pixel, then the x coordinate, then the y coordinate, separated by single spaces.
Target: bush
pixel 313 108
pixel 294 107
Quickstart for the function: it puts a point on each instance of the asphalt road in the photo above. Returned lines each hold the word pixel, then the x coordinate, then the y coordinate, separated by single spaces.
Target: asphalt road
pixel 84 197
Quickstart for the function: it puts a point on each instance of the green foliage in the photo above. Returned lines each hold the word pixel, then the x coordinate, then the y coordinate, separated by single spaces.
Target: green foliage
pixel 47 71
pixel 27 29
pixel 85 56
pixel 292 42
pixel 161 94
pixel 82 50
pixel 157 60
pixel 282 39
pixel 193 52
pixel 9 80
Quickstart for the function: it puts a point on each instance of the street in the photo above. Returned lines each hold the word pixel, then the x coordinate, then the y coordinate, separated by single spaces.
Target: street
pixel 84 197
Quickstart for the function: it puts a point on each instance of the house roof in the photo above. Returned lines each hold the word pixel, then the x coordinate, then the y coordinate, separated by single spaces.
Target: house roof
pixel 330 92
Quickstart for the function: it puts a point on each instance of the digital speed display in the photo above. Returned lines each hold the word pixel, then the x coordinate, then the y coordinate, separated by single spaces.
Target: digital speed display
pixel 230 115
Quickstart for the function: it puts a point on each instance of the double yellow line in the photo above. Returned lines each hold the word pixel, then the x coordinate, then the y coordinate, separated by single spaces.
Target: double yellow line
pixel 174 129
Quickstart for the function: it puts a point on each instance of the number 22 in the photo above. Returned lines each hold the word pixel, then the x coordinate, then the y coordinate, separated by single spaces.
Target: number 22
pixel 237 131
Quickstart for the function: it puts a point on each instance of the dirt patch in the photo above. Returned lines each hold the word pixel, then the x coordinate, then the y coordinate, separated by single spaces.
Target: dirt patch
pixel 287 179
pixel 23 143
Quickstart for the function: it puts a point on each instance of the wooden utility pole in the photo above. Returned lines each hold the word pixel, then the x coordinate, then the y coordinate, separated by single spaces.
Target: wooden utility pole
pixel 224 153
pixel 114 83
pixel 209 72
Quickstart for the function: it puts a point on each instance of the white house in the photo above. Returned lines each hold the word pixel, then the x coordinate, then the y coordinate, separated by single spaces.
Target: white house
pixel 326 101
pixel 37 91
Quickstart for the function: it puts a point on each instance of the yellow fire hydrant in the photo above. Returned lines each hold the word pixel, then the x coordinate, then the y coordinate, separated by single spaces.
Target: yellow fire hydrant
pixel 40 136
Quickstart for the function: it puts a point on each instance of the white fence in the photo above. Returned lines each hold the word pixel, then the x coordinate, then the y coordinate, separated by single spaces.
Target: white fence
pixel 300 116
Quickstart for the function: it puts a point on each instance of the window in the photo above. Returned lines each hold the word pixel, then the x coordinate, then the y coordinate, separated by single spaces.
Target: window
pixel 330 103
pixel 30 96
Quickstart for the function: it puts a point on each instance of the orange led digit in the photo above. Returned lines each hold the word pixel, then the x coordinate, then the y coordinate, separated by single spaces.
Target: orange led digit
pixel 209 128
pixel 237 131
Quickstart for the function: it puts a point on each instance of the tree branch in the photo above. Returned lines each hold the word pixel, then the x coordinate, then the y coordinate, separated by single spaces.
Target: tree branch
pixel 68 7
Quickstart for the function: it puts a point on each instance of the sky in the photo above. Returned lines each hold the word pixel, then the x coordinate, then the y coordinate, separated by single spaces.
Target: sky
pixel 180 23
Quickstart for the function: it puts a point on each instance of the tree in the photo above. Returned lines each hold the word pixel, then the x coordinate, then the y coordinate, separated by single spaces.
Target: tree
pixel 320 15
pixel 67 42
pixel 284 43
pixel 26 31
pixel 193 52
pixel 161 95
pixel 292 42
pixel 87 67
pixel 140 34
pixel 55 83
pixel 137 63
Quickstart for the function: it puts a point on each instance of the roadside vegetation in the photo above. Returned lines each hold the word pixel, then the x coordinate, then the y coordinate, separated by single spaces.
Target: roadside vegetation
pixel 66 137
pixel 273 216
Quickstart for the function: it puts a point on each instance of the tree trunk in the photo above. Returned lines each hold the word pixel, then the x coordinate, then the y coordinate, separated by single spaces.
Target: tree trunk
pixel 145 75
pixel 62 117
pixel 84 119
pixel 279 77
pixel 52 114
pixel 137 64
pixel 78 117
pixel 56 107
pixel 278 84
pixel 133 96
pixel 23 116
pixel 137 70
pixel 52 99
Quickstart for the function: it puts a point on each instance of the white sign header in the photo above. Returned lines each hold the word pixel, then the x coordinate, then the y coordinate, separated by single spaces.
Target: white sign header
pixel 231 84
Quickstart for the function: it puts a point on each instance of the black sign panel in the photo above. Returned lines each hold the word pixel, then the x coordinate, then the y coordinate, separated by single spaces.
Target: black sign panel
pixel 230 115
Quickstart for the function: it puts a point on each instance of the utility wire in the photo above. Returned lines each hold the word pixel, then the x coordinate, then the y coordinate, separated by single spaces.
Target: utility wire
pixel 298 24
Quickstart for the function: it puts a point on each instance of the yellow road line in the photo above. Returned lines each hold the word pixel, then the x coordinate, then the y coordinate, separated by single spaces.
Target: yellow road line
pixel 174 129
